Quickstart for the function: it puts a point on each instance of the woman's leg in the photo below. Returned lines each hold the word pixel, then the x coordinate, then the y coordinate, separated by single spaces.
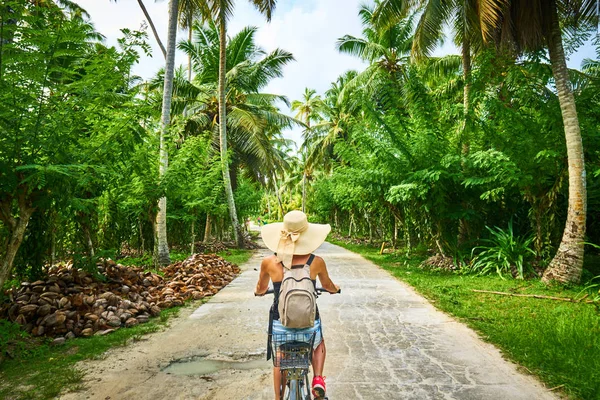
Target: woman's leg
pixel 279 383
pixel 318 360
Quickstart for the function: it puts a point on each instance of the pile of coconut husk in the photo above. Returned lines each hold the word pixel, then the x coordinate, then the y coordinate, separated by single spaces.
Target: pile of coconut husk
pixel 71 302
pixel 440 261
pixel 212 247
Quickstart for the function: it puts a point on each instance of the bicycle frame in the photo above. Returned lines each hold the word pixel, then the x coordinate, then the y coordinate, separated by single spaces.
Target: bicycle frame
pixel 297 384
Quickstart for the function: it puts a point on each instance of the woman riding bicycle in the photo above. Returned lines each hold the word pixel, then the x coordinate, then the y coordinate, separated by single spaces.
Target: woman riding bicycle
pixel 293 242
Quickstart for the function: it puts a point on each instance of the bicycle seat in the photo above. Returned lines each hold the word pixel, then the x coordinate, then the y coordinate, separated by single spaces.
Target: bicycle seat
pixel 295 347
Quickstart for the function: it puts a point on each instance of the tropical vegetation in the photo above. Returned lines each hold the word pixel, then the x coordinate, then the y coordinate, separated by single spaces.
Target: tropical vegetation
pixel 444 153
pixel 456 173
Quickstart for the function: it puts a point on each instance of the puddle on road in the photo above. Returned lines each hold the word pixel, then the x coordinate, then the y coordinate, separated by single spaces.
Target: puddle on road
pixel 203 366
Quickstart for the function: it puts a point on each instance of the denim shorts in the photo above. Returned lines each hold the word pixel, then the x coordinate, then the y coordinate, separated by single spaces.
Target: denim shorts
pixel 301 334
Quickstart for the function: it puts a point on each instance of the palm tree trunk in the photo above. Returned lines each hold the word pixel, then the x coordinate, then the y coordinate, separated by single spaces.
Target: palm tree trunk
pixel 466 64
pixel 207 229
pixel 568 262
pixel 161 217
pixel 395 231
pixel 335 217
pixel 304 192
pixel 142 249
pixel 88 238
pixel 162 48
pixel 465 137
pixel 238 237
pixel 278 196
pixel 190 31
pixel 193 236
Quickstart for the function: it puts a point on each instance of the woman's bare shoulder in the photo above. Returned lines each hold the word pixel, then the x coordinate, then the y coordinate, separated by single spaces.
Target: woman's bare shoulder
pixel 319 262
pixel 269 261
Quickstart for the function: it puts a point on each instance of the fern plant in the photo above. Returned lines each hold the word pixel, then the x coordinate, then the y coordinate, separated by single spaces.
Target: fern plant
pixel 503 253
pixel 592 288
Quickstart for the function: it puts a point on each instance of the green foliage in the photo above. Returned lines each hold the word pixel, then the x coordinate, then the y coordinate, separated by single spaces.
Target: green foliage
pixel 81 137
pixel 70 118
pixel 398 160
pixel 505 253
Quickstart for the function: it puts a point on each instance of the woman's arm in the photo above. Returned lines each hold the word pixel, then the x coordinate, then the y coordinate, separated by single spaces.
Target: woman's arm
pixel 263 279
pixel 324 278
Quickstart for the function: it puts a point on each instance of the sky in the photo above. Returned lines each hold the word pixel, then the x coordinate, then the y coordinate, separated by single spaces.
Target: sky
pixel 308 29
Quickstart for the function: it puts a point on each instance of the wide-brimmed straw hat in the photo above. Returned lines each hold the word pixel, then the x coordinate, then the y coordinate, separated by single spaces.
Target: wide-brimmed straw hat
pixel 295 235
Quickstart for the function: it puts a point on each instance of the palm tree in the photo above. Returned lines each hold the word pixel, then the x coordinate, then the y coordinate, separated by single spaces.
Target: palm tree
pixel 387 48
pixel 337 113
pixel 162 246
pixel 165 121
pixel 463 15
pixel 307 110
pixel 254 124
pixel 253 121
pixel 189 11
pixel 220 11
pixel 533 26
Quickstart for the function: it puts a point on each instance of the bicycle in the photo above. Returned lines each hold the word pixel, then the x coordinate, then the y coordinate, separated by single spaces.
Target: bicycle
pixel 292 353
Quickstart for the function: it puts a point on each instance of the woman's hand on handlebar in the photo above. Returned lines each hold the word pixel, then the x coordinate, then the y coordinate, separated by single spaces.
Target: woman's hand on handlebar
pixel 335 291
pixel 268 291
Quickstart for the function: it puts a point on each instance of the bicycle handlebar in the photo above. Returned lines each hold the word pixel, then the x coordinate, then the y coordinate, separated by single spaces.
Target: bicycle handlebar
pixel 320 290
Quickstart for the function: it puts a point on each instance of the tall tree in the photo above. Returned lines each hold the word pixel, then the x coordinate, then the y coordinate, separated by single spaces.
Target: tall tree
pixel 532 26
pixel 307 110
pixel 253 121
pixel 220 11
pixel 463 15
pixel 337 112
pixel 189 11
pixel 163 257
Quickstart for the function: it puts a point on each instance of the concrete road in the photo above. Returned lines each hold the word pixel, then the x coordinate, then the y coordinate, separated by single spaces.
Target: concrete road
pixel 383 342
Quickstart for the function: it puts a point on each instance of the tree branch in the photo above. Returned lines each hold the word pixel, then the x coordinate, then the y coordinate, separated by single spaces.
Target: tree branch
pixel 535 296
pixel 162 47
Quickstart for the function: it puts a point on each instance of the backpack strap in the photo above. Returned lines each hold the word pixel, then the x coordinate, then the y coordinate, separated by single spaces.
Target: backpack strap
pixel 310 259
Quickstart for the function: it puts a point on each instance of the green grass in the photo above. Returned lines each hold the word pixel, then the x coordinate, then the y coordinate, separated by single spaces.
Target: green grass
pixel 41 371
pixel 557 341
pixel 236 256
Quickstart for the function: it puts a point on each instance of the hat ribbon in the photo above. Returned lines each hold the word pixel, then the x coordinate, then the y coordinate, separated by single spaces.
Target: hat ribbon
pixel 287 245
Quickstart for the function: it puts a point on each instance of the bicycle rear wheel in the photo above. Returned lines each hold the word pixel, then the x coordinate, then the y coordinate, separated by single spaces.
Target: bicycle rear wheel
pixel 294 392
pixel 306 395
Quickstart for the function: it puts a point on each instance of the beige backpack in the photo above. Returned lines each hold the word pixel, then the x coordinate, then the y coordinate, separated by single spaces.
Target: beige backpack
pixel 297 297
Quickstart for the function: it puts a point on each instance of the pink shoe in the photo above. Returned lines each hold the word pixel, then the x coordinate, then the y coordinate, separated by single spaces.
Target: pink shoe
pixel 318 387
